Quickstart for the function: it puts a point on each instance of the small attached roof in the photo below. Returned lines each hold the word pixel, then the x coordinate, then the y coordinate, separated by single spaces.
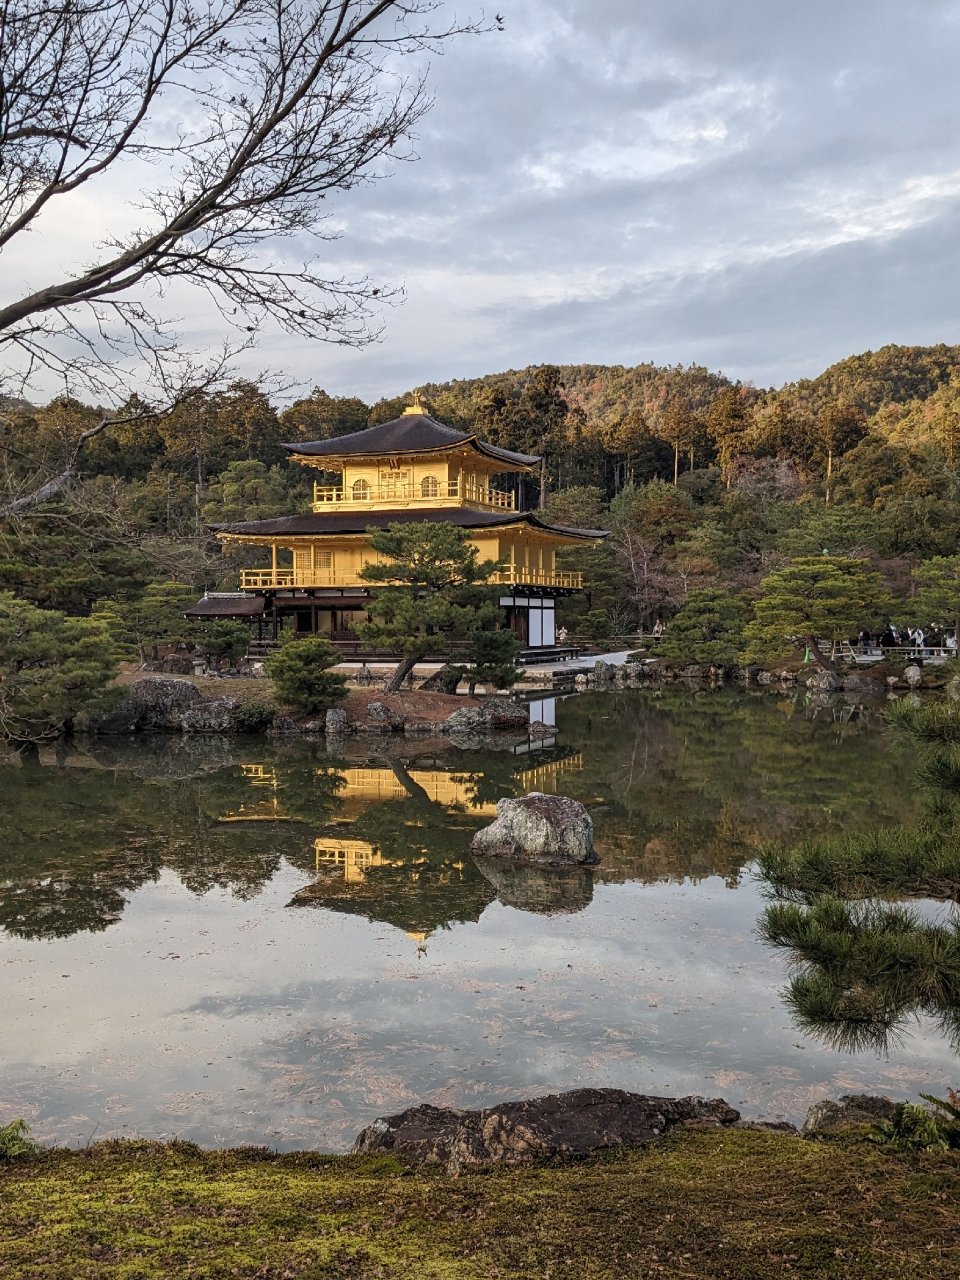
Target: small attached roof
pixel 412 433
pixel 226 605
pixel 350 522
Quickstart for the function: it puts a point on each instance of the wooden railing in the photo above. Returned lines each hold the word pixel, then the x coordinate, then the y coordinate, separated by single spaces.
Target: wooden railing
pixel 538 578
pixel 252 579
pixel 280 579
pixel 366 495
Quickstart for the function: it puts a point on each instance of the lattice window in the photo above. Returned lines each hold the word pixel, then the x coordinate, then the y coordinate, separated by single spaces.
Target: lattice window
pixel 430 487
pixel 360 491
pixel 324 559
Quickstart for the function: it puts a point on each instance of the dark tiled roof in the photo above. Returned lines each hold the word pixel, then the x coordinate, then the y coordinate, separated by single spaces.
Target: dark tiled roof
pixel 348 522
pixel 225 606
pixel 411 433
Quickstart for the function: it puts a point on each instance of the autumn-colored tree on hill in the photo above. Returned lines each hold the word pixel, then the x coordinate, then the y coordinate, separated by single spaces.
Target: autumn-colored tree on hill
pixel 728 423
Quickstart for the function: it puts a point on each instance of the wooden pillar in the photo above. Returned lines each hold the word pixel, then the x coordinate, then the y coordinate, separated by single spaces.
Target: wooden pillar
pixel 273 563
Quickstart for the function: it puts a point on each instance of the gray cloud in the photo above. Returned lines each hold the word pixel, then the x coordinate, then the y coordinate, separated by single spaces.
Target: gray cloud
pixel 760 187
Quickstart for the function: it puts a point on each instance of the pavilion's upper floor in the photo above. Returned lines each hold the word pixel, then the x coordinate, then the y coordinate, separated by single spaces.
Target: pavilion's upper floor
pixel 412 462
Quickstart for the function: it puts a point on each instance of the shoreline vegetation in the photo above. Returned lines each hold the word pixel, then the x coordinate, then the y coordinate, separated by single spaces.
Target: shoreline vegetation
pixel 733 1204
pixel 157 702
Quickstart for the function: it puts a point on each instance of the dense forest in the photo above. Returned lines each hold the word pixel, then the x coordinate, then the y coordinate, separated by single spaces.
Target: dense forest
pixel 706 484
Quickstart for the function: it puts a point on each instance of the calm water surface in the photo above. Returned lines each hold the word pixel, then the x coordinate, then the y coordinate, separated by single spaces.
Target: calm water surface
pixel 235 941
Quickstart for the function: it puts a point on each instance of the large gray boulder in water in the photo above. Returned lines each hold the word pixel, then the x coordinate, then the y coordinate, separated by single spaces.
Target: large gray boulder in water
pixel 551 830
pixel 560 1124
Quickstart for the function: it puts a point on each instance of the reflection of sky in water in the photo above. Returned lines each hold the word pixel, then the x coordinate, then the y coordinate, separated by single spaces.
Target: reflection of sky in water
pixel 227 1020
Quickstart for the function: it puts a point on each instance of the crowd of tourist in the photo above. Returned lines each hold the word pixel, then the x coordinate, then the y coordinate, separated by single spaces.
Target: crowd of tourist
pixel 925 639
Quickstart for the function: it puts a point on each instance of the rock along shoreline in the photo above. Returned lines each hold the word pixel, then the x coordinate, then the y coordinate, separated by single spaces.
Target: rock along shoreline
pixel 581 1122
pixel 169 704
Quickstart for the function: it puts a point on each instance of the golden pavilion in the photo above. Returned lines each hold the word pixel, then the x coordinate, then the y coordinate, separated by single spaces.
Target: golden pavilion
pixel 411 469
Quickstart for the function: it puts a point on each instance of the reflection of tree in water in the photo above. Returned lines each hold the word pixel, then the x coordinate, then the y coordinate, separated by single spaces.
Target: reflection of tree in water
pixel 409 861
pixel 678 786
pixel 865 969
pixel 688 786
pixel 80 840
pixel 51 900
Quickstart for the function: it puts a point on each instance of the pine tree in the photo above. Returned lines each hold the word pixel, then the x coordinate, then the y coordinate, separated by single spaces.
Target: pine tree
pixel 432 593
pixel 814 598
pixel 938 595
pixel 709 629
pixel 51 668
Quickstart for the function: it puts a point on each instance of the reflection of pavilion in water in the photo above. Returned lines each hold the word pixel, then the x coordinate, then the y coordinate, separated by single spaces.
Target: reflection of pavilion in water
pixel 413 877
pixel 444 787
pixel 366 785
pixel 266 807
pixel 396 851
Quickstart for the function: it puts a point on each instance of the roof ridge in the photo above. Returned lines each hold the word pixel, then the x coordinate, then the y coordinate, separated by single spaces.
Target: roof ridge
pixel 409 434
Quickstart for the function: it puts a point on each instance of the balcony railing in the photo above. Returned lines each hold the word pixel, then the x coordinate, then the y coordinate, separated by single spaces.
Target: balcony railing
pixel 539 578
pixel 279 579
pixel 361 494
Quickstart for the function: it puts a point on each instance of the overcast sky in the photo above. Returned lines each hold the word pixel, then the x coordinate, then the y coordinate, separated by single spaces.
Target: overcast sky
pixel 759 186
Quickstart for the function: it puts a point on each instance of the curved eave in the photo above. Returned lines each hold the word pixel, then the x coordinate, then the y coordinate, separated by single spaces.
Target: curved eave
pixel 523 462
pixel 349 525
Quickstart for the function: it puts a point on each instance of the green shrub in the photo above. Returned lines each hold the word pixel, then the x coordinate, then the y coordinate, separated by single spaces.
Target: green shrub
pixel 913 1128
pixel 596 625
pixel 302 676
pixel 251 717
pixel 223 639
pixel 15 1140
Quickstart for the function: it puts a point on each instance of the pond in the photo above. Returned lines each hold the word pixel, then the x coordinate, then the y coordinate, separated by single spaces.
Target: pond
pixel 238 941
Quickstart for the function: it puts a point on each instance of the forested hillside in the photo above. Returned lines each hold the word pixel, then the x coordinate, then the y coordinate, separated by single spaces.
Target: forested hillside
pixel 707 484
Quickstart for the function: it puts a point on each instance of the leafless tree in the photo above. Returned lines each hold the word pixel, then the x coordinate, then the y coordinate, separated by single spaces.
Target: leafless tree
pixel 652 586
pixel 230 123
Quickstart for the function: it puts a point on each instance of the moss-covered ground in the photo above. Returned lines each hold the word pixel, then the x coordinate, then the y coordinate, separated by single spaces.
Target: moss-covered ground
pixel 740 1205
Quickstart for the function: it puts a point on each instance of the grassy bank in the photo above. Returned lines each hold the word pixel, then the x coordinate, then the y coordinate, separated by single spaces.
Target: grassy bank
pixel 736 1205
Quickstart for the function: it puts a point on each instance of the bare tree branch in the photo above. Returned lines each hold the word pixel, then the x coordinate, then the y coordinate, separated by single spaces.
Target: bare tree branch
pixel 234 122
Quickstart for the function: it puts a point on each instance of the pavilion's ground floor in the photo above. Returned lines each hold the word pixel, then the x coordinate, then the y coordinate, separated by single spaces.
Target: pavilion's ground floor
pixel 336 613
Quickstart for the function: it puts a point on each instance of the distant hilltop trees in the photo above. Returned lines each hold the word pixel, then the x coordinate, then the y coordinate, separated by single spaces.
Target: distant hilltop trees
pixel 707 485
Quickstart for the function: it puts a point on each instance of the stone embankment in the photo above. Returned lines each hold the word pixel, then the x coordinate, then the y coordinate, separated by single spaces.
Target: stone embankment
pixel 651 671
pixel 166 704
pixel 580 1122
